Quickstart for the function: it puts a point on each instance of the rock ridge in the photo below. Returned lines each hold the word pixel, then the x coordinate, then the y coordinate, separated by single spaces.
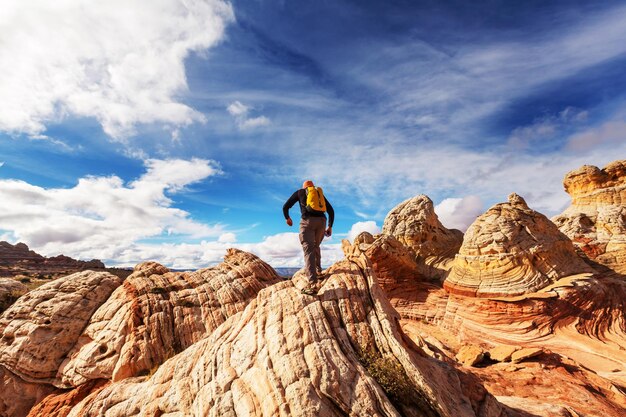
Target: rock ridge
pixel 18 260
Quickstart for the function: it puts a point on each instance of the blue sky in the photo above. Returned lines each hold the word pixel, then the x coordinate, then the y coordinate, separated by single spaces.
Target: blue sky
pixel 172 131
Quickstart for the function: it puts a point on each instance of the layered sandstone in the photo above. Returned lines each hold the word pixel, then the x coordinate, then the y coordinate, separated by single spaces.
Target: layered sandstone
pixel 596 219
pixel 86 329
pixel 157 314
pixel 289 354
pixel 415 224
pixel 580 322
pixel 512 250
pixel 38 331
pixel 523 328
pixel 536 297
pixel 395 265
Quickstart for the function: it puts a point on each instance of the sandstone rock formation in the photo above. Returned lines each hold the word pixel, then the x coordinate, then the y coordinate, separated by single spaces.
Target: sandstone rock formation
pixel 18 259
pixel 596 219
pixel 289 354
pixel 512 250
pixel 415 224
pixel 156 314
pixel 38 331
pixel 10 290
pixel 524 327
pixel 581 321
pixel 572 312
pixel 395 265
pixel 8 285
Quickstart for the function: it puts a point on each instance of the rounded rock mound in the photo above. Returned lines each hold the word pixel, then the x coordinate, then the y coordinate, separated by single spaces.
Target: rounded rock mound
pixel 415 224
pixel 596 219
pixel 512 250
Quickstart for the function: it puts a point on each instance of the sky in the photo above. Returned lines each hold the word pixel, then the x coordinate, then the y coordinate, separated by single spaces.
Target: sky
pixel 171 130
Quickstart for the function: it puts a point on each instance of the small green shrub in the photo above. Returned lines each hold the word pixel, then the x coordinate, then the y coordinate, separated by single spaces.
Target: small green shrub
pixel 389 374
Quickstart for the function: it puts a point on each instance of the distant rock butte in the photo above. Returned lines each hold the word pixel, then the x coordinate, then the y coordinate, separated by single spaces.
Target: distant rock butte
pixel 18 259
pixel 512 250
pixel 596 219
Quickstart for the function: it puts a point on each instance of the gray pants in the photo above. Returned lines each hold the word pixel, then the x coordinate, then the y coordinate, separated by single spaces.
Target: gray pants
pixel 311 236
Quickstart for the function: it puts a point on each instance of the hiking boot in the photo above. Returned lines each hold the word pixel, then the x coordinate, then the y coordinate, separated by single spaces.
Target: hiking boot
pixel 311 288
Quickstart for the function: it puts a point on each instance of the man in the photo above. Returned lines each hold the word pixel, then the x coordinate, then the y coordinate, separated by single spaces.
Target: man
pixel 312 228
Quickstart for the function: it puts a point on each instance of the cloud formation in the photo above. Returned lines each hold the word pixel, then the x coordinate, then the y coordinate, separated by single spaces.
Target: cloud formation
pixel 358 227
pixel 279 250
pixel 459 213
pixel 609 133
pixel 105 218
pixel 117 61
pixel 546 128
pixel 100 217
pixel 379 175
pixel 240 112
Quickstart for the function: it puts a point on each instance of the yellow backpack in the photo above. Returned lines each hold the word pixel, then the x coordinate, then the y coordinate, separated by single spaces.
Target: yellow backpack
pixel 315 199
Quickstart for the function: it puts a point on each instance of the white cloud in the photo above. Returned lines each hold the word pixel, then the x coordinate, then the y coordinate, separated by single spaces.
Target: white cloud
pixel 101 217
pixel 609 133
pixel 546 128
pixel 255 122
pixel 379 175
pixel 279 250
pixel 240 112
pixel 284 250
pixel 459 213
pixel 227 237
pixel 118 61
pixel 358 227
pixel 236 108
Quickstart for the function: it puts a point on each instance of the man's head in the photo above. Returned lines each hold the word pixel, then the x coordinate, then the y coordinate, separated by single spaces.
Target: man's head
pixel 307 183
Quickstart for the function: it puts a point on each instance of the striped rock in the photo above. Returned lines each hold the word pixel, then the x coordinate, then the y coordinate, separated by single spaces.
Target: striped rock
pixel 596 219
pixel 415 224
pixel 38 331
pixel 289 354
pixel 512 250
pixel 156 314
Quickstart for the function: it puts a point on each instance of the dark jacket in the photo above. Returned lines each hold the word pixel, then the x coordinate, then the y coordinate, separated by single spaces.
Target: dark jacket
pixel 300 197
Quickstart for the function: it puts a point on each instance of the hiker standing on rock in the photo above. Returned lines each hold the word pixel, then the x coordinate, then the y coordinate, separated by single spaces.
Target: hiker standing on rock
pixel 313 206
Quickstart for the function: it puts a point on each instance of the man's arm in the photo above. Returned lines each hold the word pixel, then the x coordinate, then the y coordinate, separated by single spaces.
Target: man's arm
pixel 331 212
pixel 289 204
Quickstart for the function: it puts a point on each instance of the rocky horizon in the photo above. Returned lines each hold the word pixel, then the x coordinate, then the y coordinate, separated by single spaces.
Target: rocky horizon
pixel 520 316
pixel 19 259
